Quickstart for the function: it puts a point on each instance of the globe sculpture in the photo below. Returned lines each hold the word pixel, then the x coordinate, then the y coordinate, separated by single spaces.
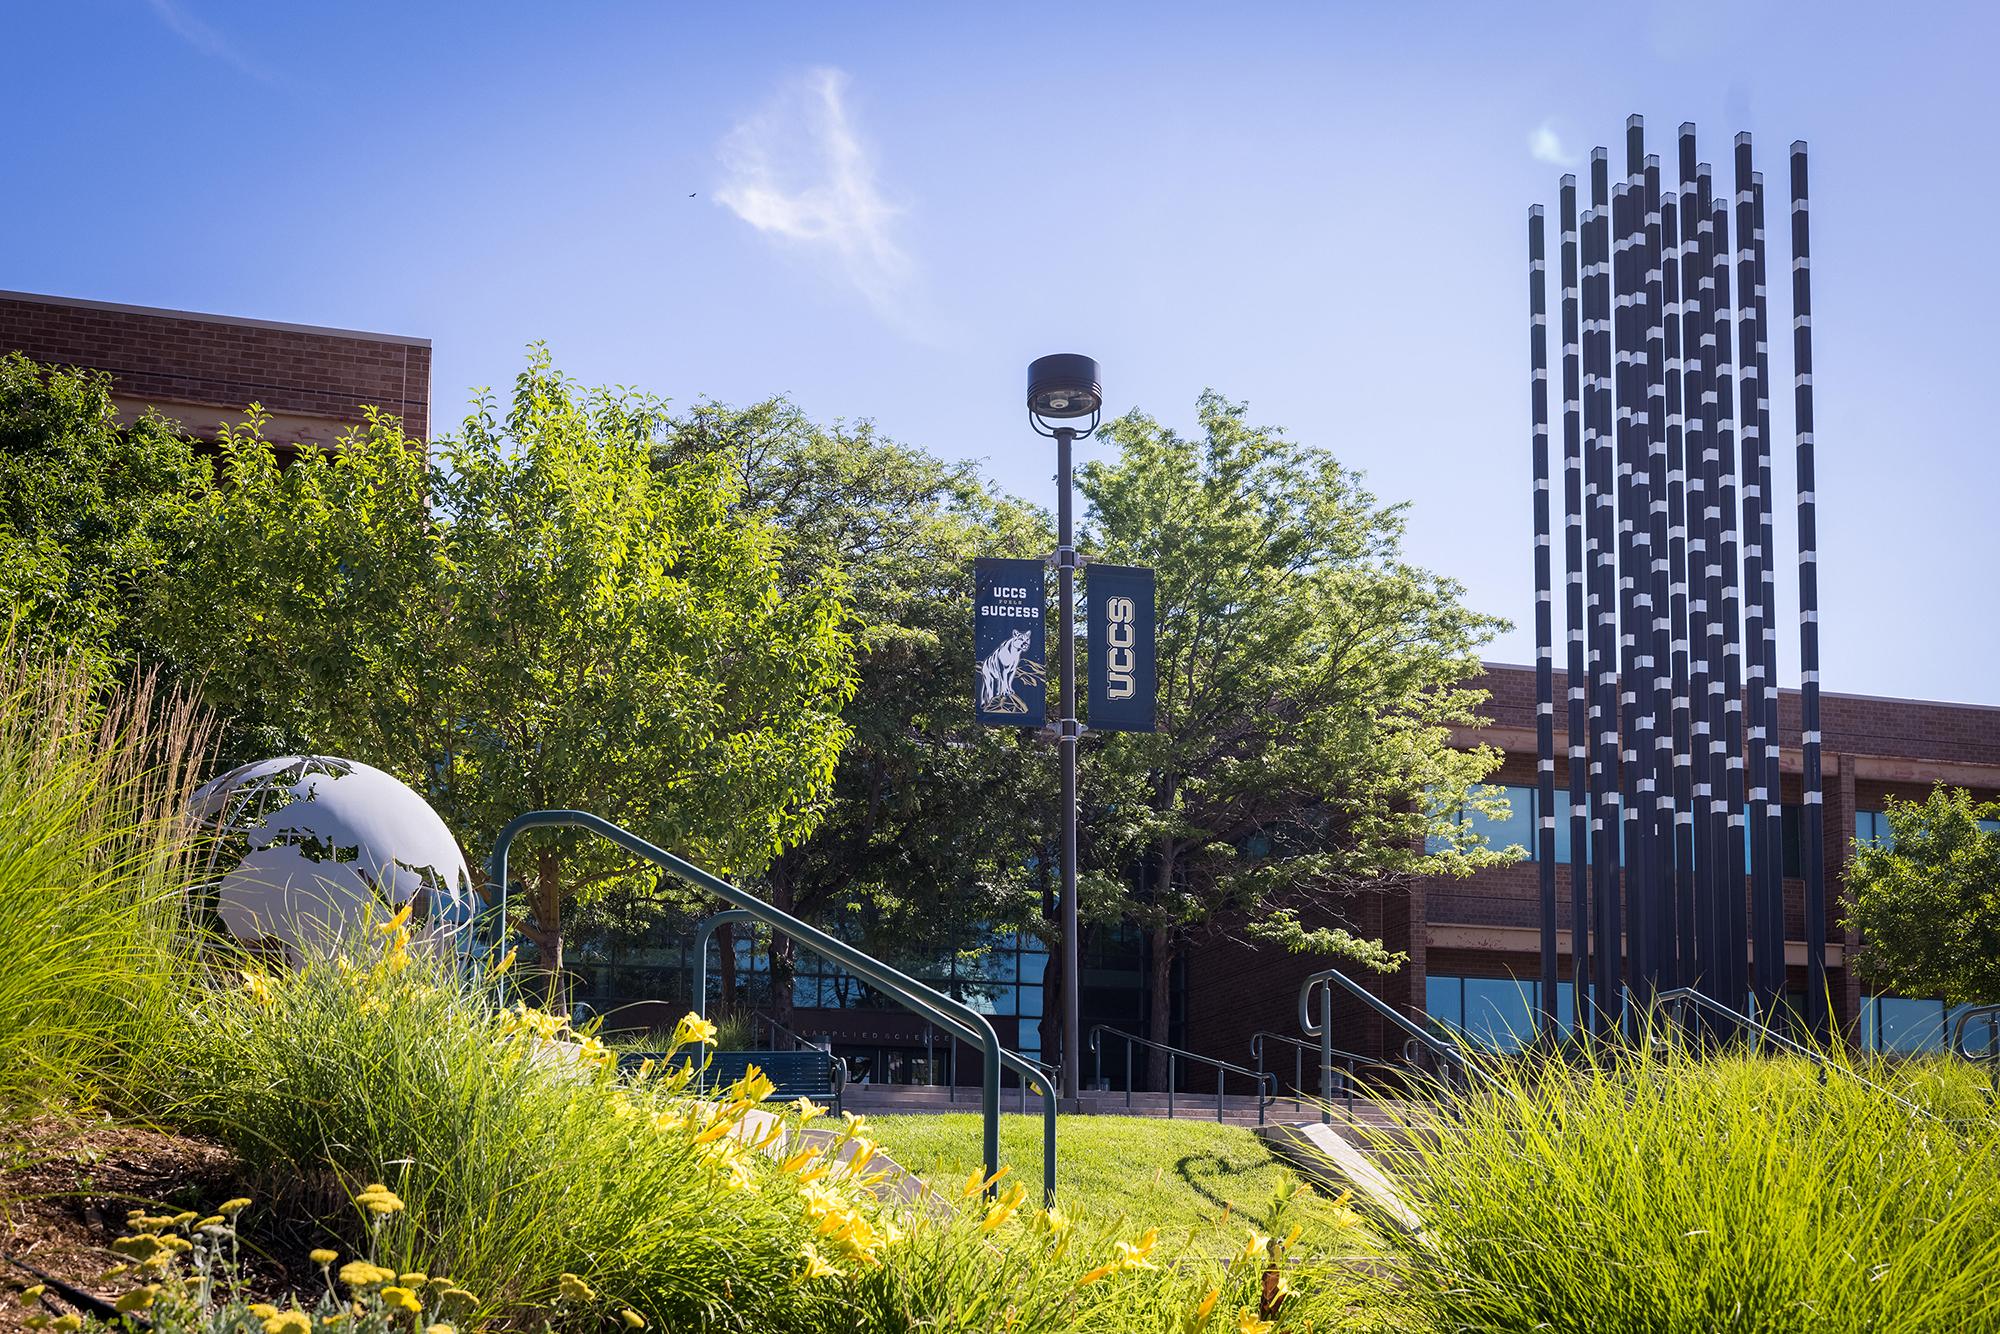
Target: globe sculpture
pixel 308 848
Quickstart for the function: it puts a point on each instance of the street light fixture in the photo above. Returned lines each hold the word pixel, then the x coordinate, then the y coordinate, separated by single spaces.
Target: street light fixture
pixel 1062 389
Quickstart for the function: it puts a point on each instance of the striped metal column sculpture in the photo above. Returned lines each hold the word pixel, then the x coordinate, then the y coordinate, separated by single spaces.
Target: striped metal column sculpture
pixel 1676 856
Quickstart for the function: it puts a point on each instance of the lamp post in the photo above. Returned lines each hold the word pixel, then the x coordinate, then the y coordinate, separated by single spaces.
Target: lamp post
pixel 1063 389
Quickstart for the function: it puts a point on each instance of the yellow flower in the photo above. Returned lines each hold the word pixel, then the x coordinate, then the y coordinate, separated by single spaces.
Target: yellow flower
pixel 378 1199
pixel 400 1298
pixel 68 1324
pixel 575 1289
pixel 142 1247
pixel 1132 1255
pixel 323 1257
pixel 258 987
pixel 1292 1237
pixel 754 1087
pixel 632 1319
pixel 693 1028
pixel 801 1160
pixel 1249 1322
pixel 138 1299
pixel 394 924
pixel 361 1274
pixel 262 1310
pixel 851 1124
pixel 289 1322
pixel 1204 1309
pixel 1102 1271
pixel 807 1110
pixel 440 1328
pixel 29 1296
pixel 978 1182
pixel 456 1301
pixel 506 962
pixel 413 1279
pixel 233 1207
pixel 1257 1245
pixel 816 1265
pixel 1003 1208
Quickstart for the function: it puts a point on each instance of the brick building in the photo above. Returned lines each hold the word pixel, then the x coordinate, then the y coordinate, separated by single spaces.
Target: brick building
pixel 201 370
pixel 1474 943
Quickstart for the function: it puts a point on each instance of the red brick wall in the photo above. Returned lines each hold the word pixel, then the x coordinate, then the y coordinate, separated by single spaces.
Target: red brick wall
pixel 172 357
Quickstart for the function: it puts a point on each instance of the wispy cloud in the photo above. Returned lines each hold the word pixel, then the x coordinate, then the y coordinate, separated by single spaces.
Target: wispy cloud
pixel 1545 146
pixel 206 39
pixel 798 171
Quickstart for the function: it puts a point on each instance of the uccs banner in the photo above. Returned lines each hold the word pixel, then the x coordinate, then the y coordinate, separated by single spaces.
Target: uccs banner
pixel 1121 647
pixel 1009 599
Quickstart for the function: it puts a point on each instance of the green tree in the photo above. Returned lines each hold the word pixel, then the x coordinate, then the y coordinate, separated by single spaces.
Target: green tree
pixel 90 510
pixel 928 834
pixel 1927 901
pixel 1309 681
pixel 539 617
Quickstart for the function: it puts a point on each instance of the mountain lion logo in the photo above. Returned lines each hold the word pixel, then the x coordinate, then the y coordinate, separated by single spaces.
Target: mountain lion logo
pixel 1002 668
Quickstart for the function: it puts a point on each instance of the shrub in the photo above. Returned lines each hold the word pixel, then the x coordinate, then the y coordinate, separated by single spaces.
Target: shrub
pixel 1653 1192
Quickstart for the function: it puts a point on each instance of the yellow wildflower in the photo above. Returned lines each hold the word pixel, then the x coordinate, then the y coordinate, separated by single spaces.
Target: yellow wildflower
pixel 258 987
pixel 506 962
pixel 378 1199
pixel 693 1028
pixel 138 1299
pixel 394 924
pixel 262 1310
pixel 323 1257
pixel 1204 1308
pixel 456 1301
pixel 289 1322
pixel 864 1151
pixel 801 1160
pixel 754 1087
pixel 440 1328
pixel 1003 1208
pixel 1102 1271
pixel 1249 1322
pixel 575 1289
pixel 632 1319
pixel 212 1221
pixel 361 1274
pixel 851 1124
pixel 816 1265
pixel 807 1110
pixel 29 1296
pixel 141 1247
pixel 978 1182
pixel 1258 1244
pixel 233 1207
pixel 400 1298
pixel 413 1279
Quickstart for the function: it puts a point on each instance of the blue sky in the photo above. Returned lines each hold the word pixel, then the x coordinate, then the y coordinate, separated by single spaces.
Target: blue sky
pixel 887 210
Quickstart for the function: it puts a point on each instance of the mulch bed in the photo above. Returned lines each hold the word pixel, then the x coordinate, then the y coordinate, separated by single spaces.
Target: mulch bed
pixel 67 1182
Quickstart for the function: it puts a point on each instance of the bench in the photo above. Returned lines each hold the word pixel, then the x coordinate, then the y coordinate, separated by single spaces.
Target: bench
pixel 807 1073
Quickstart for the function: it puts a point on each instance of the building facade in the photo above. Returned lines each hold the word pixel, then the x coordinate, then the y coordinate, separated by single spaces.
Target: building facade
pixel 202 370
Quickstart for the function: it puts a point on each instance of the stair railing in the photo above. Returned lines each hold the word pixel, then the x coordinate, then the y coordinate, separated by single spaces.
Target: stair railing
pixel 1676 1001
pixel 1989 1056
pixel 977 1029
pixel 1299 1050
pixel 1450 1055
pixel 1267 1084
pixel 945 1017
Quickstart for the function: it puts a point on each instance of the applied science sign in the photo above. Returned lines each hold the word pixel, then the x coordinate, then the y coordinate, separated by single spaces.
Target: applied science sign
pixel 1010 603
pixel 1120 627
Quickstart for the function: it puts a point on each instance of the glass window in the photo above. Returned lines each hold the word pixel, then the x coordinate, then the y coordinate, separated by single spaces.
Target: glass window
pixel 1903 1024
pixel 1444 1000
pixel 1499 1012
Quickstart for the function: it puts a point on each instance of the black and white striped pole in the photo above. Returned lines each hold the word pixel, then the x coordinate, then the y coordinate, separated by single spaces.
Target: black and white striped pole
pixel 1813 824
pixel 1545 709
pixel 1767 596
pixel 1575 675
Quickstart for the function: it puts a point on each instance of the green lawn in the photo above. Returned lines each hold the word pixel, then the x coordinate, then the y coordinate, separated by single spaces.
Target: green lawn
pixel 1131 1172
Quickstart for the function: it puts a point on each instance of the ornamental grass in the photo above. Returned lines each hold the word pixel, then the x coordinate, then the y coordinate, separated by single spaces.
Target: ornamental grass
pixel 1657 1191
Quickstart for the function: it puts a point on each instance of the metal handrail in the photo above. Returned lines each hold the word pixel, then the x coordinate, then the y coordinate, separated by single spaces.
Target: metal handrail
pixel 1222 1069
pixel 1991 1057
pixel 1324 981
pixel 1673 1001
pixel 1299 1050
pixel 998 1056
pixel 906 989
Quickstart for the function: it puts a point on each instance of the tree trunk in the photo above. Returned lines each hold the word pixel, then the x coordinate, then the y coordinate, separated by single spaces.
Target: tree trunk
pixel 1160 1004
pixel 725 967
pixel 784 951
pixel 548 916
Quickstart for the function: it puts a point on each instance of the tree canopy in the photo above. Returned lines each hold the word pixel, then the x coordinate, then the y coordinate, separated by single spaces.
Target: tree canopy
pixel 1309 681
pixel 542 615
pixel 1927 900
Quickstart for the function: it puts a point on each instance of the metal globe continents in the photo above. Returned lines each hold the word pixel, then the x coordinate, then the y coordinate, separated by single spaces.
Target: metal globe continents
pixel 309 847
